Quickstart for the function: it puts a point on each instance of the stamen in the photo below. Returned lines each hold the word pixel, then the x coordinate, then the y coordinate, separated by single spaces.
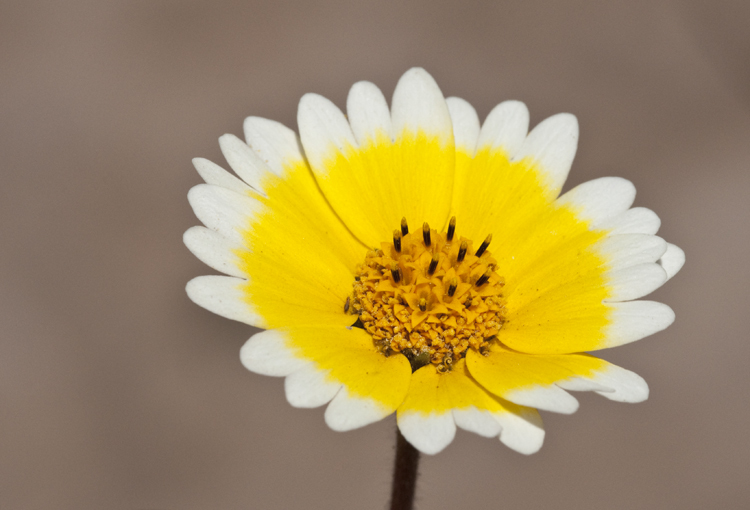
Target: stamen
pixel 484 278
pixel 396 273
pixel 484 246
pixel 451 229
pixel 410 308
pixel 462 251
pixel 453 286
pixel 433 264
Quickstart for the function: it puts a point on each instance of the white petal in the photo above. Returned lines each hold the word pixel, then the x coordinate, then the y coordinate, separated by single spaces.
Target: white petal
pixel 637 220
pixel 552 144
pixel 465 124
pixel 223 296
pixel 418 105
pixel 266 353
pixel 633 320
pixel 223 210
pixel 634 282
pixel 601 199
pixel 244 161
pixel 214 250
pixel 523 433
pixel 274 143
pixel 624 385
pixel 549 398
pixel 581 384
pixel 323 129
pixel 368 112
pixel 429 434
pixel 505 127
pixel 214 174
pixel 480 422
pixel 631 249
pixel 673 260
pixel 348 412
pixel 309 387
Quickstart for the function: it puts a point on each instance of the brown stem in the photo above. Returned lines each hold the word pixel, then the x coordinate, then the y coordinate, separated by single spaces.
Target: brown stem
pixel 404 474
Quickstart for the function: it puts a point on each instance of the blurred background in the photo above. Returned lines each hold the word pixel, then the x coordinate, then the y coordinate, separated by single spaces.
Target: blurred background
pixel 117 392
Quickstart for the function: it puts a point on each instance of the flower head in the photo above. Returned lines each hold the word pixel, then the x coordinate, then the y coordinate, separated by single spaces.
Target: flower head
pixel 410 260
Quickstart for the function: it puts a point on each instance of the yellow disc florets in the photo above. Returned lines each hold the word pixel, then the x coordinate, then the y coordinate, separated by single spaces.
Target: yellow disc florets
pixel 429 296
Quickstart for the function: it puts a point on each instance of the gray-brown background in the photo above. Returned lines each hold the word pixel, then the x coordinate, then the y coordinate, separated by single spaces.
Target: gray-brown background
pixel 117 392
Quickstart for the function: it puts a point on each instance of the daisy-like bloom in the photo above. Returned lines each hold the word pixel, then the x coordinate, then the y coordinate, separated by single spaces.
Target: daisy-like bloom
pixel 410 260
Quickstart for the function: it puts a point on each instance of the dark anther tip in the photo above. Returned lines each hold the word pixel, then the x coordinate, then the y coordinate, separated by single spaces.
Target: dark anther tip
pixel 462 251
pixel 433 264
pixel 452 287
pixel 484 245
pixel 397 240
pixel 451 228
pixel 484 278
pixel 404 226
pixel 426 234
pixel 396 273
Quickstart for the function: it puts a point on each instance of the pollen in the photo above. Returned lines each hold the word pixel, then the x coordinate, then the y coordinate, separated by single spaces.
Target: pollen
pixel 426 296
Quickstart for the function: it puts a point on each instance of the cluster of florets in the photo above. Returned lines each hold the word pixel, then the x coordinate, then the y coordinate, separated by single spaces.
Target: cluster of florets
pixel 429 296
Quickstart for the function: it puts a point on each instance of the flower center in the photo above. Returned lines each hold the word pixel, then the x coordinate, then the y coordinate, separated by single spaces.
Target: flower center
pixel 429 296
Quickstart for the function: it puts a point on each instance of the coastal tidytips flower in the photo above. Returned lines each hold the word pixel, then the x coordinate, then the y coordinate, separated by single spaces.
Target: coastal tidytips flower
pixel 410 260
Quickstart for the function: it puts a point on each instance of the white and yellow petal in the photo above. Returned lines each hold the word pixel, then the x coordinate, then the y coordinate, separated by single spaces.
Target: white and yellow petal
pixel 466 132
pixel 569 262
pixel 540 380
pixel 466 125
pixel 331 365
pixel 375 168
pixel 437 403
pixel 550 147
pixel 293 257
pixel 274 144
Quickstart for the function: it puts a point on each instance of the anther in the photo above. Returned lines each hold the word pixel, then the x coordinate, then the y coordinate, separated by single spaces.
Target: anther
pixel 426 234
pixel 451 229
pixel 452 287
pixel 484 246
pixel 433 264
pixel 346 305
pixel 462 251
pixel 423 304
pixel 467 303
pixel 397 240
pixel 483 279
pixel 396 273
pixel 404 226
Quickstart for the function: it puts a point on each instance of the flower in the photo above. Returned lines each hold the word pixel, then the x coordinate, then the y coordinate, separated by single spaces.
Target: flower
pixel 410 260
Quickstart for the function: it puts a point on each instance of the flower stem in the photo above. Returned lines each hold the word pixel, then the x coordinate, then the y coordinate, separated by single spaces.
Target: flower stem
pixel 404 474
